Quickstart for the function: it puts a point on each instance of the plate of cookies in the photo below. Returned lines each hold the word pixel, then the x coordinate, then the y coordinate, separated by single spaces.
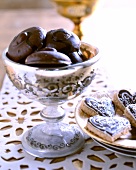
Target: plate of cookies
pixel 109 118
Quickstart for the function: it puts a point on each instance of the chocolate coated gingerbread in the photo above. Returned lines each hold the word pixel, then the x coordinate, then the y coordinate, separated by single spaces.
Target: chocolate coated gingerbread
pixel 48 59
pixel 66 42
pixel 25 43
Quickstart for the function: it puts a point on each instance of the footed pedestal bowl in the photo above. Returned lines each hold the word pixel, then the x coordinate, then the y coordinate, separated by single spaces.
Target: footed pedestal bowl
pixel 52 87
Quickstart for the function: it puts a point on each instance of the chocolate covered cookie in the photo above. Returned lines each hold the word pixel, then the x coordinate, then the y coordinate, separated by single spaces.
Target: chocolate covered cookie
pixel 108 128
pixel 47 58
pixel 25 43
pixel 66 42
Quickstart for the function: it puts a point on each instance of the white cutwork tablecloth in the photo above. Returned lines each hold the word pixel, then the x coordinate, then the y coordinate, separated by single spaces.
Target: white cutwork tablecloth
pixel 18 113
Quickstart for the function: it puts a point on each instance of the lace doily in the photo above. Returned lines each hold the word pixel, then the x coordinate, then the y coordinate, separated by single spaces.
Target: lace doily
pixel 18 113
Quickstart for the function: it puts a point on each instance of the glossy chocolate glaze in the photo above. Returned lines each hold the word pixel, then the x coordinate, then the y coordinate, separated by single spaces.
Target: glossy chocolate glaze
pixel 26 48
pixel 48 58
pixel 110 125
pixel 25 43
pixel 104 106
pixel 62 40
pixel 66 42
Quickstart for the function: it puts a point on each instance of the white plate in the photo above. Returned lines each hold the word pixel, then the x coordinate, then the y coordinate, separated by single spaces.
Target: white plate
pixel 132 151
pixel 118 151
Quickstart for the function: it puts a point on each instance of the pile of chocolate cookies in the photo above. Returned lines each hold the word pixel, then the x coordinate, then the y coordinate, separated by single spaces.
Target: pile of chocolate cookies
pixel 35 46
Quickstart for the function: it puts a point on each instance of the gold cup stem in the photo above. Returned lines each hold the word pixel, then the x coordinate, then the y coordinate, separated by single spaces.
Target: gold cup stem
pixel 76 11
pixel 77 27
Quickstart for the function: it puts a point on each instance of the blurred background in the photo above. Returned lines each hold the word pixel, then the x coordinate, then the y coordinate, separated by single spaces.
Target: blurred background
pixel 112 29
pixel 13 4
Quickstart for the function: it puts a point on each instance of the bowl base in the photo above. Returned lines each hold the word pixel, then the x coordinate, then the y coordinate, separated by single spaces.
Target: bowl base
pixel 65 142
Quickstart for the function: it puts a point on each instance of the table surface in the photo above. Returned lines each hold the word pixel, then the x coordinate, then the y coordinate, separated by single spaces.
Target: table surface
pixel 113 31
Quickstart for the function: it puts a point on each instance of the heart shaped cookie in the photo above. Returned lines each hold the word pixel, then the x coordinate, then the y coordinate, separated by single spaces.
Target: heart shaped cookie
pixel 123 98
pixel 93 106
pixel 108 128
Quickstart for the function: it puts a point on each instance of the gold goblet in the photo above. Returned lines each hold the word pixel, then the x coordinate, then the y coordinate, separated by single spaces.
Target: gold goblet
pixel 76 11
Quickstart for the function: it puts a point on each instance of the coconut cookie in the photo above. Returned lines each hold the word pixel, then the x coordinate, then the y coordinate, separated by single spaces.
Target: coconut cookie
pixel 130 113
pixel 108 128
pixel 123 98
pixel 93 106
